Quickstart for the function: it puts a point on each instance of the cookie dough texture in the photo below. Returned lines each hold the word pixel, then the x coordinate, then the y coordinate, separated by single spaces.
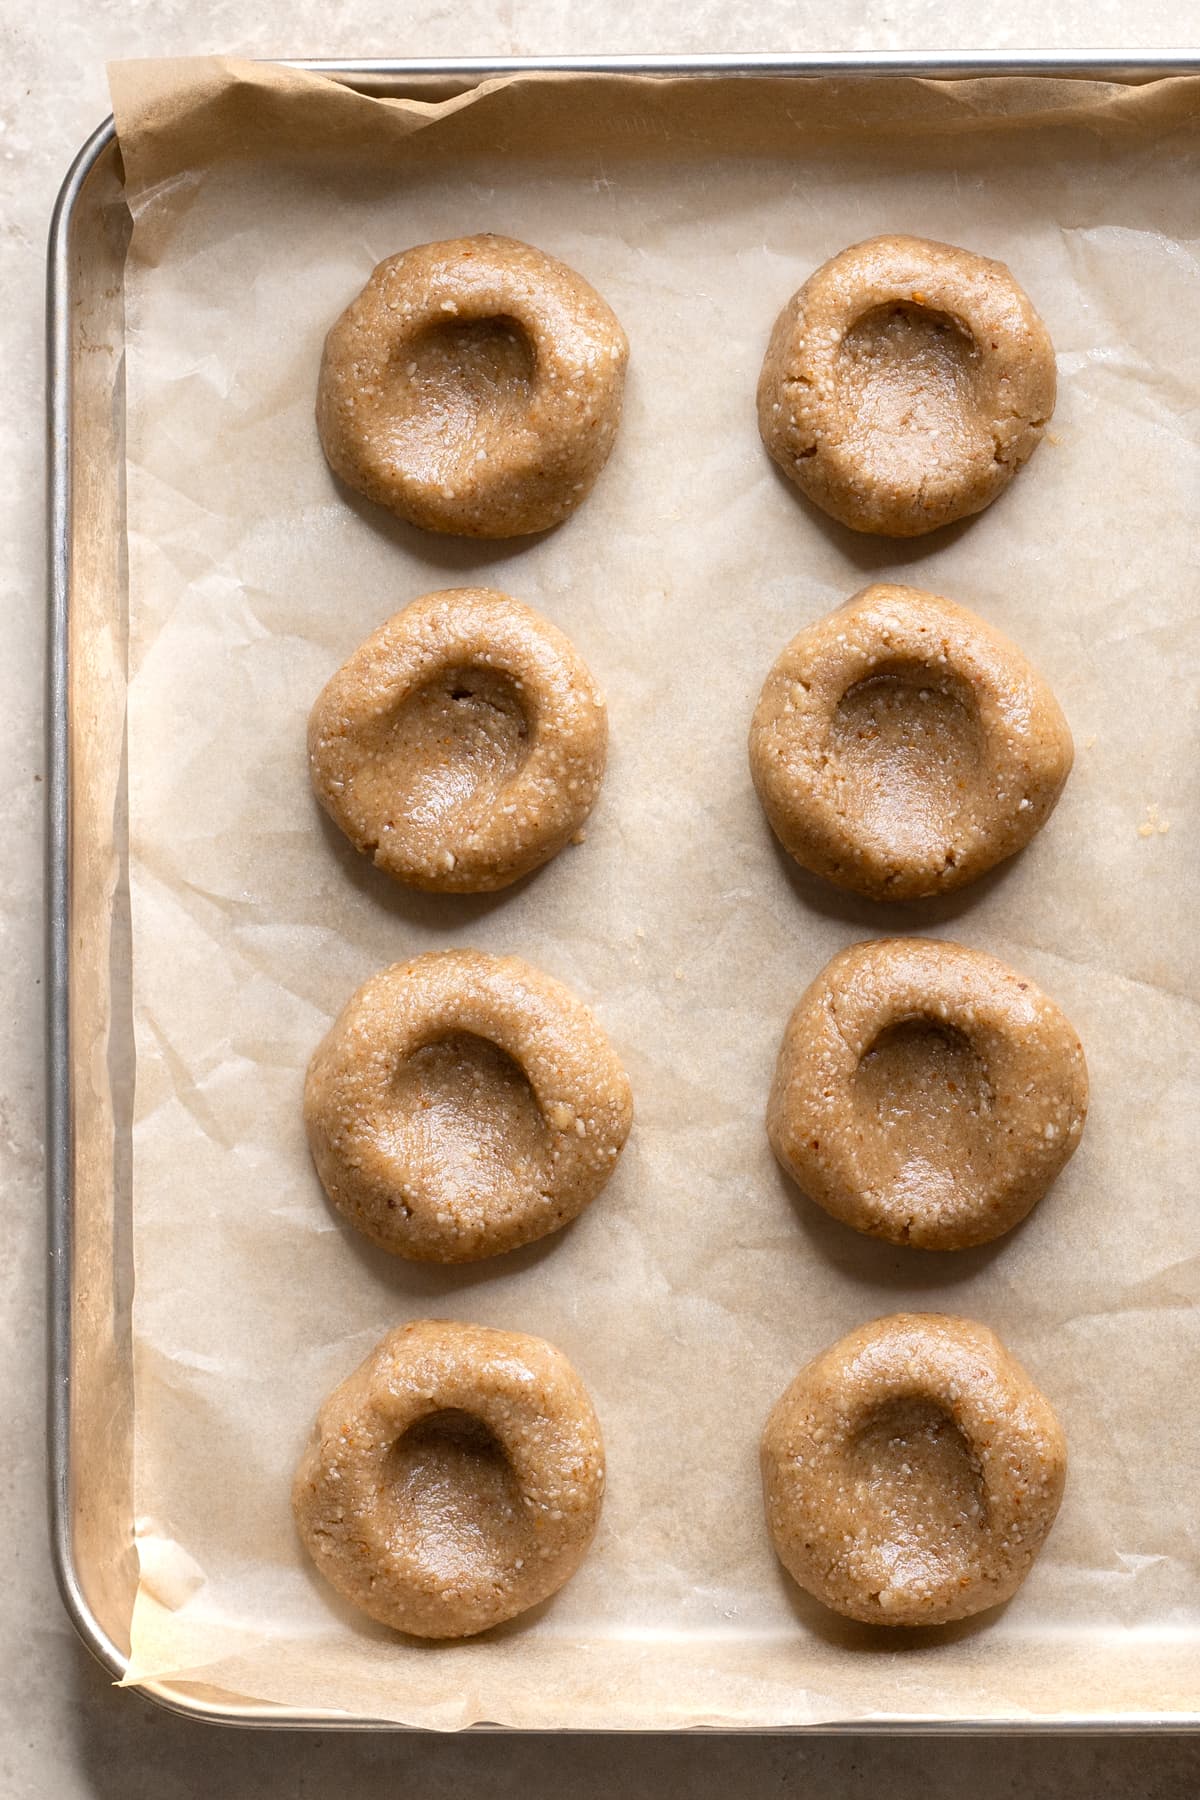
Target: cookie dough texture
pixel 901 747
pixel 463 1104
pixel 925 1093
pixel 905 384
pixel 453 1481
pixel 462 745
pixel 912 1472
pixel 473 387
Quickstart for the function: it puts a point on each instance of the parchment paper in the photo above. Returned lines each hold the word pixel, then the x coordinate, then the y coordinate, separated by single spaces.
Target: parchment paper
pixel 699 1282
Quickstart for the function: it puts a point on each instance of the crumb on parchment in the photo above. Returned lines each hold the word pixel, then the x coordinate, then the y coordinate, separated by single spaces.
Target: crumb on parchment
pixel 1153 825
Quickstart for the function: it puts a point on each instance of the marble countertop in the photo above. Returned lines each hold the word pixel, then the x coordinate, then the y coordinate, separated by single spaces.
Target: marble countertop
pixel 63 1731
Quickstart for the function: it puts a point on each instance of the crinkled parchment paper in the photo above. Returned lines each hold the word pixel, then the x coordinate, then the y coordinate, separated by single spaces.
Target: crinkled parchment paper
pixel 698 1283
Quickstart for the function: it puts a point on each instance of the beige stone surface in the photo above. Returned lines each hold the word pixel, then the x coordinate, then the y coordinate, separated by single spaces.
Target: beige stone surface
pixel 63 1732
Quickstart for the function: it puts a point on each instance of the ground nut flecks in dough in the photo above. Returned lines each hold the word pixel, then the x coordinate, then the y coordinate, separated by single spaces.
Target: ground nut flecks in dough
pixel 911 1473
pixel 902 747
pixel 462 745
pixel 463 1104
pixel 925 1093
pixel 905 384
pixel 454 1480
pixel 474 387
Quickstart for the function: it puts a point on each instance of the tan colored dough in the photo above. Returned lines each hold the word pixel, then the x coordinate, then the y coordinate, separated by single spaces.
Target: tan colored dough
pixel 901 747
pixel 905 384
pixel 462 1104
pixel 926 1094
pixel 462 745
pixel 474 387
pixel 454 1480
pixel 911 1473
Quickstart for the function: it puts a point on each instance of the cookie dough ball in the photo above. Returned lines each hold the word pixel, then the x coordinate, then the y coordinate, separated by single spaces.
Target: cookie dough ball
pixel 462 745
pixel 912 1473
pixel 926 1094
pixel 905 384
pixel 463 1104
pixel 474 387
pixel 453 1481
pixel 901 747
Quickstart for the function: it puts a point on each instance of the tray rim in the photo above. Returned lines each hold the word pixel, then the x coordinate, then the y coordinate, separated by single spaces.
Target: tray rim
pixel 373 75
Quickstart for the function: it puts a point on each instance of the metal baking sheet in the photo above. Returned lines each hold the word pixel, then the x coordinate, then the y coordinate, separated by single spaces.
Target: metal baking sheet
pixel 90 1025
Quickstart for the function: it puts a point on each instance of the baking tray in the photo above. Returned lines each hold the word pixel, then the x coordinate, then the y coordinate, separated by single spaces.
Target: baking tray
pixel 90 1065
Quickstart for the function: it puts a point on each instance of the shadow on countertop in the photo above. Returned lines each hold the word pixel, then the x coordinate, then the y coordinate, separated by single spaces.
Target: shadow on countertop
pixel 127 1748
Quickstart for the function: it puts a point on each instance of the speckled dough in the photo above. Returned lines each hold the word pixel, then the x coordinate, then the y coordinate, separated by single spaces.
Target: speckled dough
pixel 454 1480
pixel 905 384
pixel 462 745
pixel 901 747
pixel 925 1093
pixel 912 1472
pixel 473 387
pixel 462 1104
